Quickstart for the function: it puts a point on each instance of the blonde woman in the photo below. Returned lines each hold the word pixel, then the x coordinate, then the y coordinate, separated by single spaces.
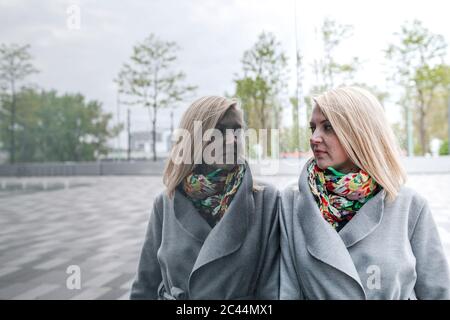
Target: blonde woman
pixel 351 229
pixel 212 234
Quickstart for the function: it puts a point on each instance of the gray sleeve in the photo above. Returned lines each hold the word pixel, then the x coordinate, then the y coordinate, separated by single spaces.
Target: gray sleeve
pixel 269 279
pixel 148 277
pixel 289 284
pixel 433 279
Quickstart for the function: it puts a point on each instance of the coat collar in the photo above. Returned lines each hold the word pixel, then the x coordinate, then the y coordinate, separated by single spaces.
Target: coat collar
pixel 228 234
pixel 365 221
pixel 327 245
pixel 189 218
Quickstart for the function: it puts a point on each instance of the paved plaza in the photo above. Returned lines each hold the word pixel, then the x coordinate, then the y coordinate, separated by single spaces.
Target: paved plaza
pixel 98 223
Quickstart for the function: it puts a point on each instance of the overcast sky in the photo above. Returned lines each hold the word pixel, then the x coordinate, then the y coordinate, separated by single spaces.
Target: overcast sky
pixel 212 35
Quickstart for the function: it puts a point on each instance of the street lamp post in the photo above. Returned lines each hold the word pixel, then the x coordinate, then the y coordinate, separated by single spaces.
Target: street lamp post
pixel 129 135
pixel 448 119
pixel 118 119
pixel 409 128
pixel 298 91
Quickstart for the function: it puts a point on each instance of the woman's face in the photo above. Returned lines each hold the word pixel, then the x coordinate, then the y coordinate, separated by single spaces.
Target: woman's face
pixel 325 145
pixel 233 120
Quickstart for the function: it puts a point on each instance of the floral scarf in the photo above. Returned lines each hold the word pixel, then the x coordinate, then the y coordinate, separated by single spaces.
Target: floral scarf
pixel 212 193
pixel 340 196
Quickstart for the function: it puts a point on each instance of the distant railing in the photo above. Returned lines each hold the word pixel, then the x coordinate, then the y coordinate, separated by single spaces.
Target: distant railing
pixel 98 168
pixel 292 166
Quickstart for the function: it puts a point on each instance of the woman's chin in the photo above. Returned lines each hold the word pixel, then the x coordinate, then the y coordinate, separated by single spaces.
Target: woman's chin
pixel 322 164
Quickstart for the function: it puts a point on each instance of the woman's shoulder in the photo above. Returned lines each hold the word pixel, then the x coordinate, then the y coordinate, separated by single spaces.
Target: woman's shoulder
pixel 160 199
pixel 411 197
pixel 419 210
pixel 409 204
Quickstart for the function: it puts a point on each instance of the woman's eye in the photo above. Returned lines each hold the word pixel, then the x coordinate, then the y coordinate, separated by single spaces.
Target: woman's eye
pixel 328 127
pixel 312 129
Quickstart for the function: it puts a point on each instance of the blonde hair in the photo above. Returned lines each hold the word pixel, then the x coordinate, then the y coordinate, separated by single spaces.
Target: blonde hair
pixel 361 126
pixel 208 110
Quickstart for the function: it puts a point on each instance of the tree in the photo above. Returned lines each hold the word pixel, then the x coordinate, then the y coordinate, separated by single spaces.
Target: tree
pixel 297 135
pixel 15 66
pixel 413 58
pixel 327 70
pixel 59 128
pixel 263 80
pixel 149 79
pixel 432 85
pixel 444 150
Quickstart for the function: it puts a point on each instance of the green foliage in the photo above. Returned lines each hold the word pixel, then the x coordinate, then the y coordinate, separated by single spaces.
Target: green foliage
pixel 416 47
pixel 400 135
pixel 15 66
pixel 416 62
pixel 328 72
pixel 443 150
pixel 294 139
pixel 57 128
pixel 289 141
pixel 265 76
pixel 149 79
pixel 264 79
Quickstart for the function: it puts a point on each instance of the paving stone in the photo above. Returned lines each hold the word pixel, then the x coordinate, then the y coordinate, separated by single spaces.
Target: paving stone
pixel 100 227
pixel 61 293
pixel 91 293
pixel 35 293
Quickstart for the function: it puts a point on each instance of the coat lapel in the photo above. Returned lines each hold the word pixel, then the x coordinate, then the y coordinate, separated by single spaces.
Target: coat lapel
pixel 365 221
pixel 229 234
pixel 189 218
pixel 323 242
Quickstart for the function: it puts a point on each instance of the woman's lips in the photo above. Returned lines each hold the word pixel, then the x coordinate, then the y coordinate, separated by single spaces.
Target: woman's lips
pixel 318 153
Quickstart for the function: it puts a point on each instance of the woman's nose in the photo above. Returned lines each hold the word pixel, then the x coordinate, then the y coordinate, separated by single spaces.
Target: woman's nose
pixel 316 138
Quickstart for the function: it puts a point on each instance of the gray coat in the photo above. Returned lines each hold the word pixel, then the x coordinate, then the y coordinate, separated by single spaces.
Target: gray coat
pixel 389 250
pixel 184 258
